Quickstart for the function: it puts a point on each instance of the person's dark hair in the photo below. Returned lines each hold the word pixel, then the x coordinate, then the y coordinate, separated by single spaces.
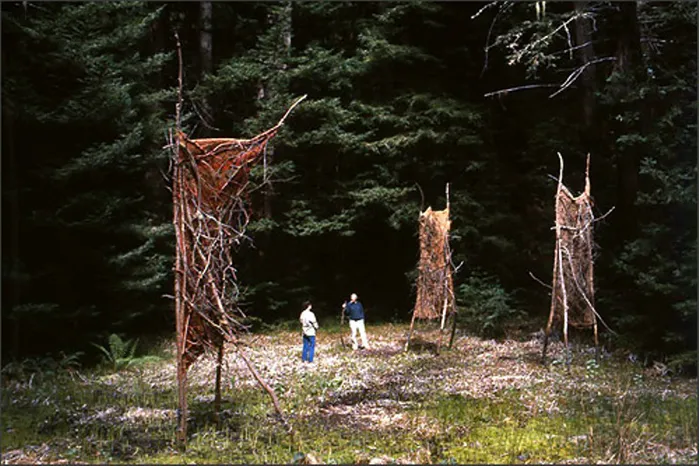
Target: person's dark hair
pixel 306 304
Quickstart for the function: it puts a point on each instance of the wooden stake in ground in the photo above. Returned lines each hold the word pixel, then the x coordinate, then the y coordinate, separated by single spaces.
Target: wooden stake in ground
pixel 342 326
pixel 210 184
pixel 448 285
pixel 573 292
pixel 453 327
pixel 217 387
pixel 435 287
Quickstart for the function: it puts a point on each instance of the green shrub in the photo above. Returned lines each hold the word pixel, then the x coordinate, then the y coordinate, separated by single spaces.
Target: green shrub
pixel 485 306
pixel 118 353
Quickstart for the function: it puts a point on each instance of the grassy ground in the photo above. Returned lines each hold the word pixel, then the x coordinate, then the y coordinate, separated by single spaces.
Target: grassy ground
pixel 480 402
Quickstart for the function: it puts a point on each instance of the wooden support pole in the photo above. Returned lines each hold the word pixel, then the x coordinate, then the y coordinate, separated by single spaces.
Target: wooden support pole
pixel 342 326
pixel 547 331
pixel 591 287
pixel 554 299
pixel 564 295
pixel 447 264
pixel 181 322
pixel 410 333
pixel 180 265
pixel 182 398
pixel 597 348
pixel 444 309
pixel 590 277
pixel 269 391
pixel 556 264
pixel 441 327
pixel 453 328
pixel 217 389
pixel 180 284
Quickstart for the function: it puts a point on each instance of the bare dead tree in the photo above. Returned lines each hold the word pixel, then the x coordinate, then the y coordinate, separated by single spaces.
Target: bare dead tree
pixel 581 17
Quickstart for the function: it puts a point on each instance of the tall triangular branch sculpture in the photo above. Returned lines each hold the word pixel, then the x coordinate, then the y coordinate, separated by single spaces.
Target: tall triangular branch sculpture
pixel 573 291
pixel 435 285
pixel 210 184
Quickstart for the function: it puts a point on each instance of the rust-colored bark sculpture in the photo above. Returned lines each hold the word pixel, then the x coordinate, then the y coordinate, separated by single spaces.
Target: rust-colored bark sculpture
pixel 573 290
pixel 210 185
pixel 210 177
pixel 435 286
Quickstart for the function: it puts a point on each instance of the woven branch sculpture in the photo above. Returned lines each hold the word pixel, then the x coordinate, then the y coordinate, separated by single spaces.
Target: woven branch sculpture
pixel 573 290
pixel 435 286
pixel 210 186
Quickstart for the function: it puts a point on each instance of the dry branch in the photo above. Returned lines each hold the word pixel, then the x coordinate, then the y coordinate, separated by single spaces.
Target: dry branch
pixel 268 389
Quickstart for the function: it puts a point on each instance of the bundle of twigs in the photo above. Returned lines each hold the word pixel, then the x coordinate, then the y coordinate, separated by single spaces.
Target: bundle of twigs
pixel 573 291
pixel 435 286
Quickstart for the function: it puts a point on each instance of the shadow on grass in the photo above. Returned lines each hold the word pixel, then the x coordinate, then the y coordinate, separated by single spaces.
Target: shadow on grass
pixel 380 352
pixel 420 345
pixel 122 438
pixel 383 390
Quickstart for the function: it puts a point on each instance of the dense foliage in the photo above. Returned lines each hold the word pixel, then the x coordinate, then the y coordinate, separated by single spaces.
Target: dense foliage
pixel 402 99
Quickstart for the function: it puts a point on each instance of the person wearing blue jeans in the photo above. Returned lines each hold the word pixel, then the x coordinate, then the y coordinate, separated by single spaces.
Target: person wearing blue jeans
pixel 309 325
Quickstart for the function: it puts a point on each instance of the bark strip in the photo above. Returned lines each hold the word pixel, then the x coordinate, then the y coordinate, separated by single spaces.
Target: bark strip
pixel 572 286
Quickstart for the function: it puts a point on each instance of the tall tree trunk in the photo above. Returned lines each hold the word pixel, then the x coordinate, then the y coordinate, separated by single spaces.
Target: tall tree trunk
pixel 205 59
pixel 12 185
pixel 10 205
pixel 586 54
pixel 629 63
pixel 267 91
pixel 161 39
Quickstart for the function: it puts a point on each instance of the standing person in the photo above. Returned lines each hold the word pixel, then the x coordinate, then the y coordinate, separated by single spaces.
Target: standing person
pixel 355 312
pixel 309 325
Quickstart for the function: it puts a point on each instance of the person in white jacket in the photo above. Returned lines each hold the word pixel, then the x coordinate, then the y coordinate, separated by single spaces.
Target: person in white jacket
pixel 309 325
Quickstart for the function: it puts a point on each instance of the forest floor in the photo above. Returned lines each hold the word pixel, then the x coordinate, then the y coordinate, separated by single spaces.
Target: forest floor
pixel 482 401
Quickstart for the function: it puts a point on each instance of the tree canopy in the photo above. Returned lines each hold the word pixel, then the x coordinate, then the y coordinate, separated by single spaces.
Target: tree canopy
pixel 402 99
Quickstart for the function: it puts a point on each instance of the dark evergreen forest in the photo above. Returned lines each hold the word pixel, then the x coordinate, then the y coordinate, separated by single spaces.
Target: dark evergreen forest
pixel 403 97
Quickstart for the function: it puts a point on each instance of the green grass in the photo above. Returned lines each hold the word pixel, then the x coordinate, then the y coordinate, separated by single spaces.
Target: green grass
pixel 480 402
pixel 485 431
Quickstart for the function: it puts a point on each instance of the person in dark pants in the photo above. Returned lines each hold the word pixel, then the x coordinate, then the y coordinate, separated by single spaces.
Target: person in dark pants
pixel 309 325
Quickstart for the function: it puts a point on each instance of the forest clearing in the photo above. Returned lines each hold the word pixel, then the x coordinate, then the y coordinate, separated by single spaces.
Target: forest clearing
pixel 482 401
pixel 509 187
